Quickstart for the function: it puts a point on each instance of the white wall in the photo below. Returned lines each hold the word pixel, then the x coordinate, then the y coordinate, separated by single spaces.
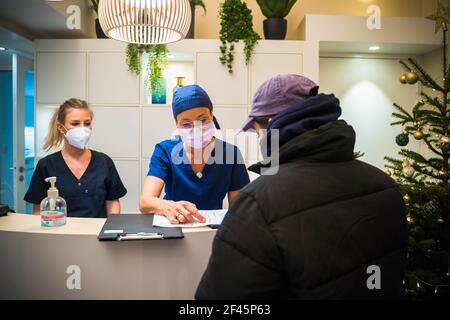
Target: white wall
pixel 367 88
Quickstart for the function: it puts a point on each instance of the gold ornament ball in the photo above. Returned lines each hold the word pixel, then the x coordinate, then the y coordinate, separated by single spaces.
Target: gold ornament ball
pixel 389 173
pixel 411 77
pixel 445 139
pixel 409 219
pixel 441 173
pixel 418 135
pixel 403 79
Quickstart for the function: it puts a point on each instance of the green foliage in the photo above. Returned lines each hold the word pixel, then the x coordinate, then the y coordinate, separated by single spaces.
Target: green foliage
pixel 156 63
pixel 428 260
pixel 236 23
pixel 276 8
pixel 358 154
pixel 94 5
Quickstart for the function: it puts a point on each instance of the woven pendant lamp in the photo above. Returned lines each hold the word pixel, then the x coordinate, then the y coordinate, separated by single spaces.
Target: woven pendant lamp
pixel 145 21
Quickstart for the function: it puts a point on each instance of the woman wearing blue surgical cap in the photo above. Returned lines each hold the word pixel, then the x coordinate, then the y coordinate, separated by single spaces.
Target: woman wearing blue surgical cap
pixel 196 169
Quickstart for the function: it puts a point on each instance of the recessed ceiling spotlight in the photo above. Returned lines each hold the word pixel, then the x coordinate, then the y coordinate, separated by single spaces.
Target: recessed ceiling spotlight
pixel 374 48
pixel 2 49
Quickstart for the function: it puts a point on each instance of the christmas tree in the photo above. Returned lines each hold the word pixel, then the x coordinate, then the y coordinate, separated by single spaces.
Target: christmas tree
pixel 423 180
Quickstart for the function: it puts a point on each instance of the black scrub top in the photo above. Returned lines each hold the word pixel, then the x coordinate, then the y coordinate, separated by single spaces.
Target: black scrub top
pixel 85 197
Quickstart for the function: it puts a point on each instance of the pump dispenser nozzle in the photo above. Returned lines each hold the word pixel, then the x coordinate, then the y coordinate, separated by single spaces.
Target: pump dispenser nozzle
pixel 52 191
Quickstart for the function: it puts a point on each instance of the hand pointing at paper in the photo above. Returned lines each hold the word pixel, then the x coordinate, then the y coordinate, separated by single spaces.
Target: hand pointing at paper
pixel 181 212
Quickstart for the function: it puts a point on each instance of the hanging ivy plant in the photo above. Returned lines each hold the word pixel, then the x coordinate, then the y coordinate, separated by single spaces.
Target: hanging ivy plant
pixel 236 23
pixel 156 63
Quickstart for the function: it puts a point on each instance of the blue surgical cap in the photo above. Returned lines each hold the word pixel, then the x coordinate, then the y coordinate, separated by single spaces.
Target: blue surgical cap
pixel 190 97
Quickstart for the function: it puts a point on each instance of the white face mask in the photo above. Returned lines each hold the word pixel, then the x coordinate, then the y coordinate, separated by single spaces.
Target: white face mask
pixel 197 137
pixel 78 137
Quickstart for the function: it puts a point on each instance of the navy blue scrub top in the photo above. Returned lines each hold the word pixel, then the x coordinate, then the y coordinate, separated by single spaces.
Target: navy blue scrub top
pixel 85 197
pixel 218 176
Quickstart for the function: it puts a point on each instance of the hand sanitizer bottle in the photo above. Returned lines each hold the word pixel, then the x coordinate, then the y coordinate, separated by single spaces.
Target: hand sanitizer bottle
pixel 53 208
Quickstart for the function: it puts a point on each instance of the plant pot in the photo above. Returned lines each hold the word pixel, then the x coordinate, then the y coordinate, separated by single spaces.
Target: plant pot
pixel 191 32
pixel 159 97
pixel 99 30
pixel 275 28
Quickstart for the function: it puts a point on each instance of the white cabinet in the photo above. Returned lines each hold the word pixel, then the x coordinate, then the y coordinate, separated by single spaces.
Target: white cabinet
pixel 116 131
pixel 230 120
pixel 223 88
pixel 145 163
pixel 60 76
pixel 158 124
pixel 43 115
pixel 110 81
pixel 265 66
pixel 129 174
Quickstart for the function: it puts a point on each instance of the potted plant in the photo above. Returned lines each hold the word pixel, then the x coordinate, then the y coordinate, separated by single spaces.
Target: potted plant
pixel 236 23
pixel 156 63
pixel 98 28
pixel 275 25
pixel 194 5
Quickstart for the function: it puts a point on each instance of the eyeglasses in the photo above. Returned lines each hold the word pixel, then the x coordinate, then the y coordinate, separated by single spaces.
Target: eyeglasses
pixel 186 124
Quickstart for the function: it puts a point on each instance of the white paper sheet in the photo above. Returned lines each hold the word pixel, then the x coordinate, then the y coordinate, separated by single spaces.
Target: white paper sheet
pixel 212 217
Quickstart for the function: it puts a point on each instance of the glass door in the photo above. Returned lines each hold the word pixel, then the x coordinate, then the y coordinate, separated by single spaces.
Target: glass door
pixel 16 129
pixel 23 128
pixel 6 131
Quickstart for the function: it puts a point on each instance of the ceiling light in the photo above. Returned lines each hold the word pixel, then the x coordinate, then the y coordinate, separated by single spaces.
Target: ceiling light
pixel 2 49
pixel 374 48
pixel 145 21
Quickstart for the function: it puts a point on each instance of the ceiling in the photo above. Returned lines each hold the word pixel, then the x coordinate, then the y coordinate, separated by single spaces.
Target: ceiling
pixel 15 43
pixel 5 60
pixel 41 19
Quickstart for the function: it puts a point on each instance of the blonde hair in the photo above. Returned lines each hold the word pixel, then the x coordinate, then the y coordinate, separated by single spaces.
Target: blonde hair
pixel 54 137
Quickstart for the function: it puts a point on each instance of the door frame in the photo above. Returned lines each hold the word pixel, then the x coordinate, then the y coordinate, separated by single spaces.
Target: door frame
pixel 20 65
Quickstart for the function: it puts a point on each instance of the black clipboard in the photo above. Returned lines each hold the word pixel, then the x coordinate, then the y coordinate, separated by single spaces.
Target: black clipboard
pixel 122 227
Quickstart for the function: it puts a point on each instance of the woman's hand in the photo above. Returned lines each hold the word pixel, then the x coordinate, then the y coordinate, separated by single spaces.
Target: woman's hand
pixel 180 212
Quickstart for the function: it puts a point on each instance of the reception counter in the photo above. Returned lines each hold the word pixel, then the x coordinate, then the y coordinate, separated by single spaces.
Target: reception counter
pixel 44 264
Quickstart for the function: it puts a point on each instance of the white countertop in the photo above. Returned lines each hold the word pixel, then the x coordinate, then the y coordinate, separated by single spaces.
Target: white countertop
pixel 18 222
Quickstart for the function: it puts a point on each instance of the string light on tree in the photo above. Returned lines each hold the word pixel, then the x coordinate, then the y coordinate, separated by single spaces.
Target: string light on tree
pixel 445 140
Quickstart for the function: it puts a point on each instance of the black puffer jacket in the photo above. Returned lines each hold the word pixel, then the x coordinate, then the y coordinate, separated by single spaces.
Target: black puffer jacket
pixel 312 230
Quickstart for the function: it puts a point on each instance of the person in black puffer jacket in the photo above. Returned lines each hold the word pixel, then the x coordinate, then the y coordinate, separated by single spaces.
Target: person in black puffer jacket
pixel 318 225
